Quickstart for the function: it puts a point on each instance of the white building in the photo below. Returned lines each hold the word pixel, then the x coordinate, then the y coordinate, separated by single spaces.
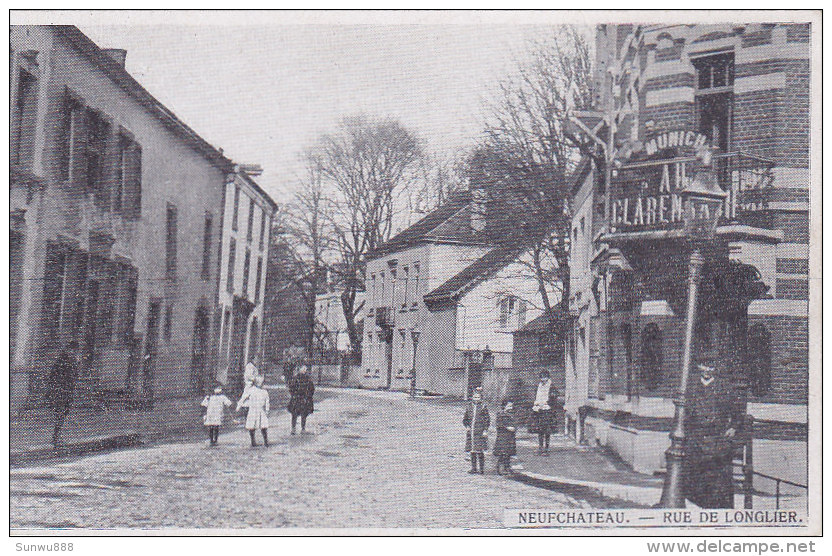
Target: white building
pixel 247 222
pixel 462 296
pixel 330 322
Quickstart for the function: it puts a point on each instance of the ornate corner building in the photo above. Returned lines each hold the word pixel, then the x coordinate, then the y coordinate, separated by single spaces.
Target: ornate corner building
pixel 664 94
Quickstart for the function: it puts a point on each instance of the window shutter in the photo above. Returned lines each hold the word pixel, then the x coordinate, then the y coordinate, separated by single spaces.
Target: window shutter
pixel 132 205
pixel 78 148
pixel 108 188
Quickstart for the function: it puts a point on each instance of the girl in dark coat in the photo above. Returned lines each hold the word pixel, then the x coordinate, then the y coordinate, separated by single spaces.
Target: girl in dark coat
pixel 544 418
pixel 505 445
pixel 476 422
pixel 302 391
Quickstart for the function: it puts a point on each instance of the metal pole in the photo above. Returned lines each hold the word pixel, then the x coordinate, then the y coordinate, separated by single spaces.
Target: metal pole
pixel 413 371
pixel 672 493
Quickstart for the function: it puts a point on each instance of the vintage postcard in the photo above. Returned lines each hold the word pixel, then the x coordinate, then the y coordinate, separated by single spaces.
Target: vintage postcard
pixel 350 273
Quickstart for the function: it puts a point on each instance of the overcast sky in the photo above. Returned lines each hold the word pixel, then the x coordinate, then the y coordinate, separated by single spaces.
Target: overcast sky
pixel 264 93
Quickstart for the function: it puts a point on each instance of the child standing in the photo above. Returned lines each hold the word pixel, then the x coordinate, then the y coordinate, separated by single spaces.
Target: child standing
pixel 476 422
pixel 505 445
pixel 256 399
pixel 214 405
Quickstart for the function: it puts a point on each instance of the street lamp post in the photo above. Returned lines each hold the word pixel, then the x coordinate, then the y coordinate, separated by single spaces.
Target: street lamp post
pixel 702 201
pixel 414 335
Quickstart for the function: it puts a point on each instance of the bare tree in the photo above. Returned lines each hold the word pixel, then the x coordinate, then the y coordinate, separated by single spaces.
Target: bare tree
pixel 306 236
pixel 527 156
pixel 367 162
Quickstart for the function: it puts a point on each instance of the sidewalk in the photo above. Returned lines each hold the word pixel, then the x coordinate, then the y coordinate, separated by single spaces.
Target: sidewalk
pixel 88 430
pixel 571 467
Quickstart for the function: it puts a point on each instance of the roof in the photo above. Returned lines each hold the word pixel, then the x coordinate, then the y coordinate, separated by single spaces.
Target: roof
pixel 249 180
pixel 540 323
pixel 450 223
pixel 481 269
pixel 128 84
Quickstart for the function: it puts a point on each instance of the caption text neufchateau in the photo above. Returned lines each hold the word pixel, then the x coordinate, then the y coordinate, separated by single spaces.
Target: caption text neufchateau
pixel 672 517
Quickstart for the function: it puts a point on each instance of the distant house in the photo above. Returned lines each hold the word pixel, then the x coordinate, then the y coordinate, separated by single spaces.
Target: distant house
pixel 331 334
pixel 463 296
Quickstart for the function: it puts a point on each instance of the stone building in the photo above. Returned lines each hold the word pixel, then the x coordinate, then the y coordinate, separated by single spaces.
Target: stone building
pixel 674 95
pixel 114 225
pixel 246 237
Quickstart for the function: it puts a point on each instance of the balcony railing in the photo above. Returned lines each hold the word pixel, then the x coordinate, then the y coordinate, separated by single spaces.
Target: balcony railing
pixel 747 179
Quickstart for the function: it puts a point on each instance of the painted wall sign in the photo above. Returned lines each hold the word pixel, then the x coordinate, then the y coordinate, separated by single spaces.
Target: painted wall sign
pixel 645 194
pixel 678 139
pixel 648 196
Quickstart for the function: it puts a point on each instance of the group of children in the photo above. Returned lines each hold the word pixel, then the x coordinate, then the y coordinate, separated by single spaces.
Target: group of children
pixel 477 420
pixel 254 398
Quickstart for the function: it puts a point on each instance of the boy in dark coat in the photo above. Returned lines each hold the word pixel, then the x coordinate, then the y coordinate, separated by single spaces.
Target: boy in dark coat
pixel 302 392
pixel 476 422
pixel 505 445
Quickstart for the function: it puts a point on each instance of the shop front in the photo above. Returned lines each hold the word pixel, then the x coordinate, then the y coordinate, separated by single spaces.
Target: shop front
pixel 640 268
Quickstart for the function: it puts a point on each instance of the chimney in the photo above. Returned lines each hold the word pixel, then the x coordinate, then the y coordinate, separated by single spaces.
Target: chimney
pixel 252 170
pixel 118 55
pixel 478 208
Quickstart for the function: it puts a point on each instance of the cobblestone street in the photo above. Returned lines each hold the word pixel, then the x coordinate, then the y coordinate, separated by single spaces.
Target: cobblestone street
pixel 371 459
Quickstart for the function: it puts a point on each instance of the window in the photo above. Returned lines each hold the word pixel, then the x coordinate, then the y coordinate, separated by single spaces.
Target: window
pixel 415 284
pixel 651 356
pixel 226 331
pixel 405 271
pixel 258 278
pixel 507 305
pixel 207 238
pixel 132 180
pixel 98 131
pixel 70 108
pixel 24 119
pixel 170 241
pixel 236 208
pixel 713 72
pixel 263 218
pixel 253 340
pixel 232 255
pixel 246 269
pixel 250 229
pixel 759 359
pixel 381 280
pixel 714 98
pixel 627 341
pixel 53 286
pixel 521 312
pixel 168 325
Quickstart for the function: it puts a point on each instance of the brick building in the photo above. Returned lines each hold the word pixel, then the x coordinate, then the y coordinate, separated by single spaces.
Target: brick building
pixel 671 92
pixel 110 198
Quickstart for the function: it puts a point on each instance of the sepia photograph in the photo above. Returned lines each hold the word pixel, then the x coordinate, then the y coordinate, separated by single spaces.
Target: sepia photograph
pixel 414 273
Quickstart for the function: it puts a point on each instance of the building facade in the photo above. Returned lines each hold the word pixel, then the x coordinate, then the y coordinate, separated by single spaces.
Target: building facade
pixel 462 296
pixel 731 101
pixel 246 233
pixel 110 196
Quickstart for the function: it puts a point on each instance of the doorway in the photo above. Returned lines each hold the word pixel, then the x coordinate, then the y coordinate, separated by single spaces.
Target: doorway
pixel 199 357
